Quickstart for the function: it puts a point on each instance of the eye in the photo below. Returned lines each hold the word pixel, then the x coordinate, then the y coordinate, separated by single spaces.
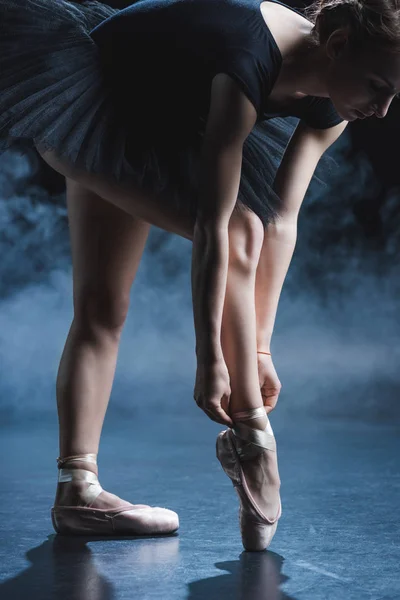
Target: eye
pixel 375 87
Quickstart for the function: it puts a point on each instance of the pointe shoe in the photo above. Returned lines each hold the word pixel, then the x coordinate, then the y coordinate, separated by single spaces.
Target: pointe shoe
pixel 243 442
pixel 129 519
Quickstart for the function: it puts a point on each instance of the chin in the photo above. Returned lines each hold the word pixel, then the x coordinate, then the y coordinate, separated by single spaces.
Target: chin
pixel 351 115
pixel 345 112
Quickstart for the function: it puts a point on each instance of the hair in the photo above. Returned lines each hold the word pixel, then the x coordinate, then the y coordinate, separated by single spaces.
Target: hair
pixel 371 23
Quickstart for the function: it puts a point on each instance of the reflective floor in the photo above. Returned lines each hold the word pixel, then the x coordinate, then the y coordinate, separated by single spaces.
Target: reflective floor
pixel 338 537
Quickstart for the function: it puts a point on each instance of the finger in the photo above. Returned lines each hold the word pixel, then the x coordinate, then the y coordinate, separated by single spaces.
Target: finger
pixel 217 418
pixel 211 416
pixel 225 404
pixel 198 400
pixel 269 407
pixel 221 416
pixel 270 401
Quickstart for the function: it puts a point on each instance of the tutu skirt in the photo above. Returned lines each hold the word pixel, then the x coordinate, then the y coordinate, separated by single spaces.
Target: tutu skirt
pixel 55 93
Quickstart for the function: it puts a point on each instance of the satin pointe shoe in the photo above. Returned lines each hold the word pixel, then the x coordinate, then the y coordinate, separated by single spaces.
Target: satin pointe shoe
pixel 83 519
pixel 243 443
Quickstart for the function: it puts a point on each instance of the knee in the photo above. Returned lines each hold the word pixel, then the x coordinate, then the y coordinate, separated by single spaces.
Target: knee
pixel 246 237
pixel 101 310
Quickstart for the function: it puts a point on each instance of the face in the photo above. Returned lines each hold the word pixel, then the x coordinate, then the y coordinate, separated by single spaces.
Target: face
pixel 360 85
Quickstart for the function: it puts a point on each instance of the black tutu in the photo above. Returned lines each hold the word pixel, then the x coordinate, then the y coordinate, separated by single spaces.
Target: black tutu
pixel 55 94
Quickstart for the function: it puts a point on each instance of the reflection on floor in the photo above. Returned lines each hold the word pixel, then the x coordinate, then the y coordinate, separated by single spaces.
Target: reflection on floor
pixel 338 537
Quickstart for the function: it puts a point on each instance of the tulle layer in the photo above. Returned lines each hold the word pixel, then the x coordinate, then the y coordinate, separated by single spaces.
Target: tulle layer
pixel 54 95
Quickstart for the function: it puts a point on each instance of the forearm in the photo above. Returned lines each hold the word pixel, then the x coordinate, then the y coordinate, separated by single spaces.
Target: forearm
pixel 292 179
pixel 209 276
pixel 276 255
pixel 291 183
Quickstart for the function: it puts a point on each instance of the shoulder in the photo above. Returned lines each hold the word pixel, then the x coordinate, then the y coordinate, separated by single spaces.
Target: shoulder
pixel 319 112
pixel 286 25
pixel 232 115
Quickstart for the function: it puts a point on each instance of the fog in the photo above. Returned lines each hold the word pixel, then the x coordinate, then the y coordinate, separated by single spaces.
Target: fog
pixel 335 345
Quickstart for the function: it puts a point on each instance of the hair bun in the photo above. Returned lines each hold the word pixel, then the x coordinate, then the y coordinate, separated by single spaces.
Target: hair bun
pixel 371 22
pixel 358 3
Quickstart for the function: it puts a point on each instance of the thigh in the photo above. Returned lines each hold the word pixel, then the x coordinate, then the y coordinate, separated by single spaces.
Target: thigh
pixel 106 244
pixel 128 197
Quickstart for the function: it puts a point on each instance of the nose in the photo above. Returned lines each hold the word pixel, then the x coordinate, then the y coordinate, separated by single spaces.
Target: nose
pixel 382 109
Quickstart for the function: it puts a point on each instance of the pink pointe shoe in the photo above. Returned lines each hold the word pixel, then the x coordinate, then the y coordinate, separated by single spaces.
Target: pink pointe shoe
pixel 256 529
pixel 126 519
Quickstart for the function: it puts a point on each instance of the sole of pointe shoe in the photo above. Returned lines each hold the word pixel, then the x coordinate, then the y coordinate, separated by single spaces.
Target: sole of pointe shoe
pixel 256 529
pixel 88 521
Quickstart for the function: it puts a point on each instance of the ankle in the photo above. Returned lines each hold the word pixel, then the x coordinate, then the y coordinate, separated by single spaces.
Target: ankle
pixel 79 461
pixel 78 483
pixel 82 464
pixel 259 423
pixel 255 418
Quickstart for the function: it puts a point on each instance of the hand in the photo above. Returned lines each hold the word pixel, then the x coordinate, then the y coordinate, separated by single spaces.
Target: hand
pixel 269 382
pixel 212 391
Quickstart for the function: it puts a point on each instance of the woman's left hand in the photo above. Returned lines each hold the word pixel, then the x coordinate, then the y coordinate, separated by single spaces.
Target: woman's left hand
pixel 269 382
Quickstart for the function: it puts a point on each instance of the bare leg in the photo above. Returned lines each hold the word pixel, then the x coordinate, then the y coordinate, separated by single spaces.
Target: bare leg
pixel 130 198
pixel 118 216
pixel 240 351
pixel 107 245
pixel 239 320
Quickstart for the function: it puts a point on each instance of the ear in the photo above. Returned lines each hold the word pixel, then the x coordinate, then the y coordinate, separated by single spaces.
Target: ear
pixel 337 43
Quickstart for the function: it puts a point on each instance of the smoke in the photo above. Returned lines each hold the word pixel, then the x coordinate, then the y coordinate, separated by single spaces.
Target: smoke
pixel 334 345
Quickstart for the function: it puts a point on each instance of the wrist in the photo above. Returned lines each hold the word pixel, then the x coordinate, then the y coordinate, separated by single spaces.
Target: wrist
pixel 209 355
pixel 264 342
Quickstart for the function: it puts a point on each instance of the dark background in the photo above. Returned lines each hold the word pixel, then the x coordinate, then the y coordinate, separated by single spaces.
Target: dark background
pixel 336 339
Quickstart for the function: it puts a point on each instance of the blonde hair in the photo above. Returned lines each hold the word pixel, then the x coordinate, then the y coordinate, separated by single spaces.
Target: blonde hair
pixel 371 23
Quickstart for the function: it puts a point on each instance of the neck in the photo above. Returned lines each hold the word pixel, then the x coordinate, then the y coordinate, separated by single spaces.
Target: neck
pixel 304 70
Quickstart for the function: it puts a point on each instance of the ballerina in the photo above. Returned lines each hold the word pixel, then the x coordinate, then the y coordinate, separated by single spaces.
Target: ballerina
pixel 161 114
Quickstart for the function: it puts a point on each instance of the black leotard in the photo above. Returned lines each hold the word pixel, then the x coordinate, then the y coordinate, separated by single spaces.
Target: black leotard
pixel 171 49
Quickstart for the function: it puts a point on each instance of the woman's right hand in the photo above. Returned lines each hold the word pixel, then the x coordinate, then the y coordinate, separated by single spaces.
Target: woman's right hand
pixel 212 391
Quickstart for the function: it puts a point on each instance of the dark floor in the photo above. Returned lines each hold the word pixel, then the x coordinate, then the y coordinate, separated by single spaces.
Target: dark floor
pixel 338 537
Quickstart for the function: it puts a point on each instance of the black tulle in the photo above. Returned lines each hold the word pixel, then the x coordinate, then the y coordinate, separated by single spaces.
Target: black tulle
pixel 54 94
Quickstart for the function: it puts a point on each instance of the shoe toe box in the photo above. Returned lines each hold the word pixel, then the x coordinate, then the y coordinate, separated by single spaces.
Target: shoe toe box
pixel 256 537
pixel 149 520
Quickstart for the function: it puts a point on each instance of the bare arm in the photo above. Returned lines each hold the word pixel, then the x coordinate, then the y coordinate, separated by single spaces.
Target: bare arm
pixel 231 118
pixel 293 177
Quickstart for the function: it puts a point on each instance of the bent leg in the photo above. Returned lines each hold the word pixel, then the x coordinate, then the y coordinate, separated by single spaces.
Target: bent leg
pixel 239 337
pixel 153 209
pixel 238 332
